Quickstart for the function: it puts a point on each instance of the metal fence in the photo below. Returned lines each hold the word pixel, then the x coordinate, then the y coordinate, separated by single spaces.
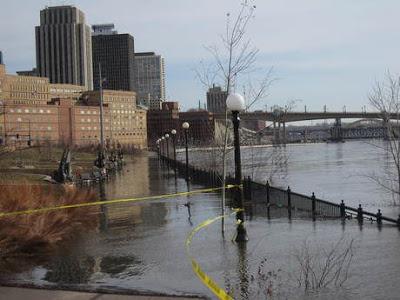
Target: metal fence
pixel 297 205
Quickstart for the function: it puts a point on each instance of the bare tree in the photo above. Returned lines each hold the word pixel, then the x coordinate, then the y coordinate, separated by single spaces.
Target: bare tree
pixel 385 97
pixel 316 269
pixel 326 267
pixel 234 57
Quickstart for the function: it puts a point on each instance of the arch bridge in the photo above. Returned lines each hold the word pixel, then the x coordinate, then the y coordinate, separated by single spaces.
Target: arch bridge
pixel 279 118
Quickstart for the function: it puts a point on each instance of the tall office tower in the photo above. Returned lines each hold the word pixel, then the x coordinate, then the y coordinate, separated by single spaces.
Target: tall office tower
pixel 64 46
pixel 1 58
pixel 116 53
pixel 216 99
pixel 150 78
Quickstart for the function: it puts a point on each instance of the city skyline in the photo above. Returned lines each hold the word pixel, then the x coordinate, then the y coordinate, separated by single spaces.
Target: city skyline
pixel 332 58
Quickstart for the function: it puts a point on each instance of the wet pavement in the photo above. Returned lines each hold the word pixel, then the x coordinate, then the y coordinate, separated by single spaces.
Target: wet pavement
pixel 14 293
pixel 140 247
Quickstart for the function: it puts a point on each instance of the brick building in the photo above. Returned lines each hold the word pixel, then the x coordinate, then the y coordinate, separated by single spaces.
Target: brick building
pixel 160 122
pixel 128 124
pixel 33 109
pixel 202 126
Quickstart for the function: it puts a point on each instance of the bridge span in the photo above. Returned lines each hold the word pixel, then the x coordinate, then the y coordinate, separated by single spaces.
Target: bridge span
pixel 286 117
pixel 279 119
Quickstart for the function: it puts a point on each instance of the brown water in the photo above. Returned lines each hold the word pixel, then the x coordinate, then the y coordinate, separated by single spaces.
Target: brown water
pixel 140 246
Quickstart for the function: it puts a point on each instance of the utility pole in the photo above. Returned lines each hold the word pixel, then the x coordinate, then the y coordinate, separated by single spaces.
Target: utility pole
pixel 101 111
pixel 29 133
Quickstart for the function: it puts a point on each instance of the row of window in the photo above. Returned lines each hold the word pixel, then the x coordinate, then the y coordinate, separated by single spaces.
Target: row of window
pixel 88 112
pixel 29 95
pixel 29 79
pixel 120 134
pixel 27 111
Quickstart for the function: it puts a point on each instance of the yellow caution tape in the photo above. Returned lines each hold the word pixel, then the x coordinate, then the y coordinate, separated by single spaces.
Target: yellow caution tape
pixel 207 280
pixel 114 201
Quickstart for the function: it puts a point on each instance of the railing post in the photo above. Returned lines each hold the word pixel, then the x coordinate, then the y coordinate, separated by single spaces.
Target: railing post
pixel 379 217
pixel 268 197
pixel 313 207
pixel 342 210
pixel 360 214
pixel 289 202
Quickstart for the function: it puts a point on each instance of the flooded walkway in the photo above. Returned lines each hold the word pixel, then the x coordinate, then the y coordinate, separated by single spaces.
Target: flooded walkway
pixel 140 247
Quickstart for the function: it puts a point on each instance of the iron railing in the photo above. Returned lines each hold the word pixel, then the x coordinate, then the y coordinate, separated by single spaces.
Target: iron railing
pixel 296 204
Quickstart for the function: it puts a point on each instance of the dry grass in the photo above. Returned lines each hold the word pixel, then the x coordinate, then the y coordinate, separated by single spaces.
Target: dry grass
pixel 38 234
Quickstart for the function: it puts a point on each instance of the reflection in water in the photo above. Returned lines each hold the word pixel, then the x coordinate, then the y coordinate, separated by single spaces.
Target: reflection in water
pixel 339 154
pixel 117 265
pixel 243 270
pixel 103 208
pixel 70 269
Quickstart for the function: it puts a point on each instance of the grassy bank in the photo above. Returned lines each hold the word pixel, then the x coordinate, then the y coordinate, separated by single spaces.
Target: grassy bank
pixel 24 237
pixel 30 164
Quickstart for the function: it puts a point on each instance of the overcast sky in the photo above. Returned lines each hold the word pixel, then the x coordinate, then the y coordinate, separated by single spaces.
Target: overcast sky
pixel 323 51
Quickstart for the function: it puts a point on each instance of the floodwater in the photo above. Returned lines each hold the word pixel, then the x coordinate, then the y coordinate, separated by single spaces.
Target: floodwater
pixel 140 246
pixel 333 171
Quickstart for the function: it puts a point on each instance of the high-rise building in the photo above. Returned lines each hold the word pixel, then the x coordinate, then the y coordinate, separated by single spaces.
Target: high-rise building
pixel 216 99
pixel 64 46
pixel 150 78
pixel 115 52
pixel 1 58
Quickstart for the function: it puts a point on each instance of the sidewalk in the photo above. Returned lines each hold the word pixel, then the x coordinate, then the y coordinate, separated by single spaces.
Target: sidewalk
pixel 16 293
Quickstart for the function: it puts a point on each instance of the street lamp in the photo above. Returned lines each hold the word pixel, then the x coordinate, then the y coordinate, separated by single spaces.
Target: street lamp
pixel 173 132
pixel 167 142
pixel 235 103
pixel 185 126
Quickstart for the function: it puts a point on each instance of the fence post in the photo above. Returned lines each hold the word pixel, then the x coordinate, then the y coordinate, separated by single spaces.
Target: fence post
pixel 342 210
pixel 289 202
pixel 268 199
pixel 379 217
pixel 360 214
pixel 313 207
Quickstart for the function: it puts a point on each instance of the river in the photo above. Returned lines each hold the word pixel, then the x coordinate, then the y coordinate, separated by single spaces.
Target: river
pixel 333 171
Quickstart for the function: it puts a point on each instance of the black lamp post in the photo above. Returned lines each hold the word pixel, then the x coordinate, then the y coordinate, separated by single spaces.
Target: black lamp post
pixel 185 126
pixel 235 103
pixel 167 142
pixel 173 132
